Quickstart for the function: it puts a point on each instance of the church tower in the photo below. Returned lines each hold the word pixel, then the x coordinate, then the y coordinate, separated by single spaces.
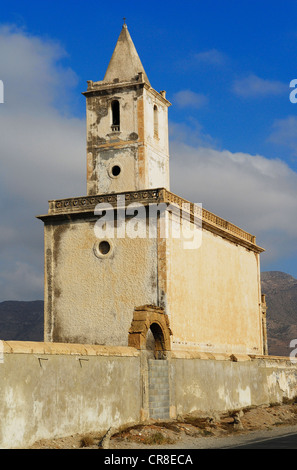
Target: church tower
pixel 127 127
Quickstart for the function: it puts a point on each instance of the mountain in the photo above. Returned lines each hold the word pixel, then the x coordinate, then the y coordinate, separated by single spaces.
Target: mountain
pixel 281 299
pixel 23 321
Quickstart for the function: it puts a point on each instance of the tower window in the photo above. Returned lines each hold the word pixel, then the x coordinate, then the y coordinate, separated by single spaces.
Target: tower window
pixel 116 170
pixel 156 125
pixel 115 110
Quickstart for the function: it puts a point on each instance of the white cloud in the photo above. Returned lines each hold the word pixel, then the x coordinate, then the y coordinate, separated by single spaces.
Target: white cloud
pixel 284 133
pixel 251 191
pixel 203 60
pixel 31 71
pixel 42 153
pixel 212 56
pixel 189 99
pixel 192 132
pixel 21 281
pixel 253 87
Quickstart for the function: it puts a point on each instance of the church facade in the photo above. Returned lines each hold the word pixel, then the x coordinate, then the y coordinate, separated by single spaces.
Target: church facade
pixel 131 263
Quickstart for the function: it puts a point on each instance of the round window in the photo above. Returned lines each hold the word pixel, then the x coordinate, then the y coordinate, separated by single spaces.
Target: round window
pixel 114 170
pixel 103 249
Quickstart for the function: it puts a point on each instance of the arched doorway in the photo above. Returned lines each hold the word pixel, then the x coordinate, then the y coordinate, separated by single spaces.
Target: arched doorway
pixel 150 333
pixel 150 329
pixel 155 342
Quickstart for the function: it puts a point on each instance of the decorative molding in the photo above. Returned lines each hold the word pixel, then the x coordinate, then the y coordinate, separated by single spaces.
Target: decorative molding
pixel 102 86
pixel 211 222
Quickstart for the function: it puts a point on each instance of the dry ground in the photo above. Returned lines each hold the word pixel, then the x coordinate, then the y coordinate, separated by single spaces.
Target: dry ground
pixel 192 431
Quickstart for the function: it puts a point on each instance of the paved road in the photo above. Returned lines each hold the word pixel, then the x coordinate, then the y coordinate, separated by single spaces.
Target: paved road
pixel 287 441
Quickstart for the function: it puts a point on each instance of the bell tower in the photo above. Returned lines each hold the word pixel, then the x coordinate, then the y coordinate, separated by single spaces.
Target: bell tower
pixel 127 127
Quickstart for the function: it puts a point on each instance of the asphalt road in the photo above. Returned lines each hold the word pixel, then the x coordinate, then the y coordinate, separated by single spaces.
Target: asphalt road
pixel 286 441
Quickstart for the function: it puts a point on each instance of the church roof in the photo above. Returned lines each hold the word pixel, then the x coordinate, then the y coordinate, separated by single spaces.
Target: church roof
pixel 125 63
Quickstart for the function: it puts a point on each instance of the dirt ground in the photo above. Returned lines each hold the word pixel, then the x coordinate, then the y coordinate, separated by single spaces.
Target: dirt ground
pixel 195 430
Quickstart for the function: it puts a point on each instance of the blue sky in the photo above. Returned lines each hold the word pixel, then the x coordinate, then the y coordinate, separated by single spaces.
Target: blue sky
pixel 226 66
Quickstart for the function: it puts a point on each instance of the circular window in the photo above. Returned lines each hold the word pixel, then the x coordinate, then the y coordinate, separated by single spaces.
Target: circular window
pixel 115 170
pixel 103 248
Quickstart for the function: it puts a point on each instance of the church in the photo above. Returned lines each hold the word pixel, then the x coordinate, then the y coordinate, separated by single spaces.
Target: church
pixel 153 304
pixel 133 264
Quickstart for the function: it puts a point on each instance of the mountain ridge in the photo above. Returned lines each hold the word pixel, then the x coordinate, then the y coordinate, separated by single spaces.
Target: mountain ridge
pixel 21 320
pixel 280 290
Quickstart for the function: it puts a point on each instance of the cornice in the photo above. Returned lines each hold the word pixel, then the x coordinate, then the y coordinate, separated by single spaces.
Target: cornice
pixel 103 87
pixel 85 206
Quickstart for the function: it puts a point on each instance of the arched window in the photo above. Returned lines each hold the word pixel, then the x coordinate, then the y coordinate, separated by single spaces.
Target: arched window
pixel 115 110
pixel 156 125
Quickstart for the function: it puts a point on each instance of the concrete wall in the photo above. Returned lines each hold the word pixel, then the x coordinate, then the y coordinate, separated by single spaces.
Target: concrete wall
pixel 52 390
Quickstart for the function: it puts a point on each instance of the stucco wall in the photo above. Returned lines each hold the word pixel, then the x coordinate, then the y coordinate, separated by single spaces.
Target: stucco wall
pixel 211 292
pixel 157 145
pixel 142 155
pixel 220 384
pixel 89 299
pixel 49 390
pixel 106 148
pixel 52 390
pixel 213 295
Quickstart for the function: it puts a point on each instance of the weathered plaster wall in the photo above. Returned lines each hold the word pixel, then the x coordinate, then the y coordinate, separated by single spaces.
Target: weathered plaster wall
pixel 126 160
pixel 211 292
pixel 220 384
pixel 89 298
pixel 142 154
pixel 106 147
pixel 156 144
pixel 49 390
pixel 99 114
pixel 213 296
pixel 52 390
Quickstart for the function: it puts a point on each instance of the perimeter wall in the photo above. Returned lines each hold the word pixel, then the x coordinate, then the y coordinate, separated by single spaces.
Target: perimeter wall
pixel 52 390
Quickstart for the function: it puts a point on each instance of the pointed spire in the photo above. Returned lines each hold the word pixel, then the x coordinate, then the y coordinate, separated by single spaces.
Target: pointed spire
pixel 125 63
